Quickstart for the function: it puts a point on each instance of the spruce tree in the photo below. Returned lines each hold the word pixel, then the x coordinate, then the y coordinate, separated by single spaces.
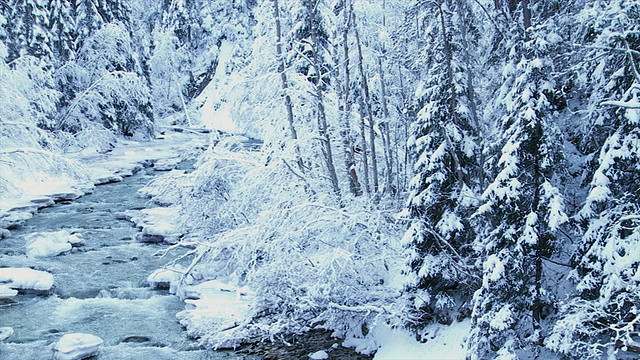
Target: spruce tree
pixel 523 208
pixel 443 194
pixel 602 316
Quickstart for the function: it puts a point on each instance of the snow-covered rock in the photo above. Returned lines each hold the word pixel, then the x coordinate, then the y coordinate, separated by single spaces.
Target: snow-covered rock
pixel 76 346
pixel 45 244
pixel 319 355
pixel 7 292
pixel 166 164
pixel 26 279
pixel 164 279
pixel 157 224
pixel 16 217
pixel 5 332
pixel 107 179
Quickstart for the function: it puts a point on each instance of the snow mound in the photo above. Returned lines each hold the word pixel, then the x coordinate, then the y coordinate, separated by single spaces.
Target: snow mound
pixel 166 164
pixel 445 342
pixel 26 279
pixel 214 311
pixel 76 346
pixel 46 244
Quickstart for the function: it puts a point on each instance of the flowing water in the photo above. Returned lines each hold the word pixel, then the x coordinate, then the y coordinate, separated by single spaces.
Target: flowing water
pixel 100 287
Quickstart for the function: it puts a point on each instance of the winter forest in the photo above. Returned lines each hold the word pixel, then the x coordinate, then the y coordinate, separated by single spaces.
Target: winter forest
pixel 462 172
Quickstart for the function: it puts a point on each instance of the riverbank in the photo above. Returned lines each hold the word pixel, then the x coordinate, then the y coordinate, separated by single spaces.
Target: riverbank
pixel 33 186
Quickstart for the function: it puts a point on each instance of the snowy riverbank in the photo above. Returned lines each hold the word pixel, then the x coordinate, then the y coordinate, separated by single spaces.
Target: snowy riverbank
pixel 32 179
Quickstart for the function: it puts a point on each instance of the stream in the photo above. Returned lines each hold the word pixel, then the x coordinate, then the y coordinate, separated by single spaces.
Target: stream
pixel 100 288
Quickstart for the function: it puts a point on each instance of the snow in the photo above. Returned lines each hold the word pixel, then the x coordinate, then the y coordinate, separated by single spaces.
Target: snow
pixel 45 244
pixel 214 112
pixel 319 355
pixel 502 319
pixel 166 164
pixel 214 309
pixel 76 346
pixel 162 222
pixel 493 269
pixel 26 279
pixel 6 292
pixel 445 342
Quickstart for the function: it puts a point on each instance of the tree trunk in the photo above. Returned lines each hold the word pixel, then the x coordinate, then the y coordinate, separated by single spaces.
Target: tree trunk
pixel 322 124
pixel 541 245
pixel 367 101
pixel 470 91
pixel 363 139
pixel 345 133
pixel 403 184
pixel 285 84
pixel 452 99
pixel 384 128
pixel 526 17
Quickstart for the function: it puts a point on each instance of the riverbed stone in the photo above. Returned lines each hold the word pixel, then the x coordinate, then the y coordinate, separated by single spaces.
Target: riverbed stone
pixel 76 346
pixel 136 339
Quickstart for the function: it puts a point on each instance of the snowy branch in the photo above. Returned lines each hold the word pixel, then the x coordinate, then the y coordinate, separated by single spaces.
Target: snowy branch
pixel 623 104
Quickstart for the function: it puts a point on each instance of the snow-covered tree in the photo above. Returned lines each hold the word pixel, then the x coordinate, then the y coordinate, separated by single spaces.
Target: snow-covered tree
pixel 603 317
pixel 443 194
pixel 107 86
pixel 523 208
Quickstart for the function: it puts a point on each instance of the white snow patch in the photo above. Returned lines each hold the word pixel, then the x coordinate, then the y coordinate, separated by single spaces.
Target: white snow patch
pixel 76 346
pixel 160 221
pixel 46 244
pixel 166 164
pixel 446 342
pixel 319 355
pixel 493 270
pixel 26 279
pixel 214 309
pixel 7 292
pixel 215 111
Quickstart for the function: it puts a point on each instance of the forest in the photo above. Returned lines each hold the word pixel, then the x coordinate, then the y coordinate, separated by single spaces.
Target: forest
pixel 422 162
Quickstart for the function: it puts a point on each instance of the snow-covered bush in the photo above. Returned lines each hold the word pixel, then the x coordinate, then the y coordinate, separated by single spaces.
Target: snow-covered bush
pixel 103 86
pixel 309 262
